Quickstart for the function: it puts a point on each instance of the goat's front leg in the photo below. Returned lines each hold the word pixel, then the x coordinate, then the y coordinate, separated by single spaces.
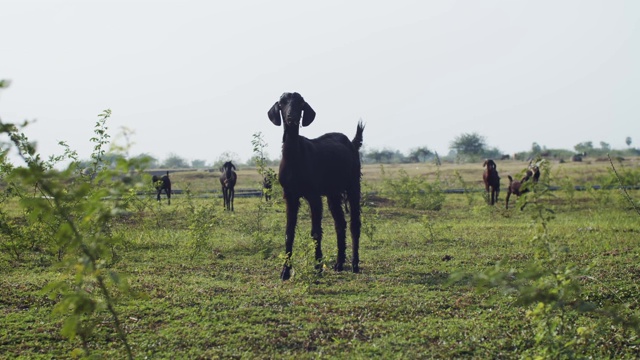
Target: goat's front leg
pixel 232 194
pixel 315 206
pixel 293 205
pixel 224 198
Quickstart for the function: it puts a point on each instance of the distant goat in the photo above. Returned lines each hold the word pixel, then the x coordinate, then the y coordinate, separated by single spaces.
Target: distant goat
pixel 228 180
pixel 162 183
pixel 326 166
pixel 491 180
pixel 515 187
pixel 267 186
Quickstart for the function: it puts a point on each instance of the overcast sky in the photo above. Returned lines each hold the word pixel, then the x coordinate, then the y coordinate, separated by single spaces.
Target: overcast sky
pixel 196 78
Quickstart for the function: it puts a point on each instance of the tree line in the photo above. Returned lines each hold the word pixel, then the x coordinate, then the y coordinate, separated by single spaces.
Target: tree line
pixel 466 147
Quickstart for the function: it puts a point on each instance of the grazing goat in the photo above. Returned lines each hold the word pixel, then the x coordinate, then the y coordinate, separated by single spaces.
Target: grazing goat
pixel 515 187
pixel 162 183
pixel 228 180
pixel 311 168
pixel 491 180
pixel 267 186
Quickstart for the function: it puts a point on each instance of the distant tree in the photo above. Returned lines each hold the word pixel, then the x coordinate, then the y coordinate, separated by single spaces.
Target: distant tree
pixel 384 156
pixel 175 162
pixel 628 140
pixel 151 162
pixel 373 156
pixel 227 156
pixel 387 155
pixel 198 164
pixel 584 147
pixel 437 159
pixel 605 146
pixel 493 153
pixel 535 148
pixel 420 154
pixel 469 144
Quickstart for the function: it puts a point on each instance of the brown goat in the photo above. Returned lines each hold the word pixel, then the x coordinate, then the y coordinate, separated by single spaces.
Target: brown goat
pixel 311 168
pixel 491 180
pixel 515 187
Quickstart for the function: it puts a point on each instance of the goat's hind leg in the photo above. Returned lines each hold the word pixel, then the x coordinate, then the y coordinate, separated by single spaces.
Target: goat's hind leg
pixel 355 227
pixel 335 206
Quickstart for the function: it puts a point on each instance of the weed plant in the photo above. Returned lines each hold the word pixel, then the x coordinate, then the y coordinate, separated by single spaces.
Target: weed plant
pixel 413 191
pixel 70 207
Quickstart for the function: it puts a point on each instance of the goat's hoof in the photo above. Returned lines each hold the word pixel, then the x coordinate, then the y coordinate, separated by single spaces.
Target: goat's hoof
pixel 338 267
pixel 356 268
pixel 286 273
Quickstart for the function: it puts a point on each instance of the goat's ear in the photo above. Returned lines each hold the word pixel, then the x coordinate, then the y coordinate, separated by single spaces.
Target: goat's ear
pixel 274 114
pixel 234 167
pixel 308 116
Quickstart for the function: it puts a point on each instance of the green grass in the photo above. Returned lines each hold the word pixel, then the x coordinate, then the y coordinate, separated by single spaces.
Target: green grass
pixel 228 302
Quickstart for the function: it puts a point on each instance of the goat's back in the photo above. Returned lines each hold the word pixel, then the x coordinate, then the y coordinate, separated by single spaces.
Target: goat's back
pixel 166 182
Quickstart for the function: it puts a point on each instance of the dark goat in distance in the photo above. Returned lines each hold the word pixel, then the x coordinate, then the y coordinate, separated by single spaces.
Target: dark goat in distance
pixel 162 183
pixel 267 184
pixel 311 168
pixel 491 180
pixel 228 180
pixel 515 186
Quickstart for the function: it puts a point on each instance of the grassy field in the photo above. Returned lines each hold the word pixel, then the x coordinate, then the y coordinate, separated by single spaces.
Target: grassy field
pixel 467 281
pixel 580 173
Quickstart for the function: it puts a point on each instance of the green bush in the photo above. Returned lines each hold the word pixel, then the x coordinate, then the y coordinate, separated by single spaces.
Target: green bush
pixel 413 192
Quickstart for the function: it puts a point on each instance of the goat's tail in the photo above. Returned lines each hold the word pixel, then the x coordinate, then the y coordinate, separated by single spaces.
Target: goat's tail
pixel 357 140
pixel 510 179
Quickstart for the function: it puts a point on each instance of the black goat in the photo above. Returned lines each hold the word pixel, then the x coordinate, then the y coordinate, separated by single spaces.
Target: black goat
pixel 491 180
pixel 228 181
pixel 162 183
pixel 515 187
pixel 267 184
pixel 326 166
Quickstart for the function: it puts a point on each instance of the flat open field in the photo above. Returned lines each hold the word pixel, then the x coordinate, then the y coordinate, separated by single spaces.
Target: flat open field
pixel 580 173
pixel 558 279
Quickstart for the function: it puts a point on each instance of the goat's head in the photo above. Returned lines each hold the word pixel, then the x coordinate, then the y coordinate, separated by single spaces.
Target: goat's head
pixel 228 166
pixel 490 164
pixel 290 108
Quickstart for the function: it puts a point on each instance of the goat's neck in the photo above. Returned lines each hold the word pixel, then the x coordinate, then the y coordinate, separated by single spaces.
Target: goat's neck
pixel 290 143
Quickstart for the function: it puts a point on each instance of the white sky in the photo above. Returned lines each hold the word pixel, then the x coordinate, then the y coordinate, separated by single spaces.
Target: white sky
pixel 196 78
